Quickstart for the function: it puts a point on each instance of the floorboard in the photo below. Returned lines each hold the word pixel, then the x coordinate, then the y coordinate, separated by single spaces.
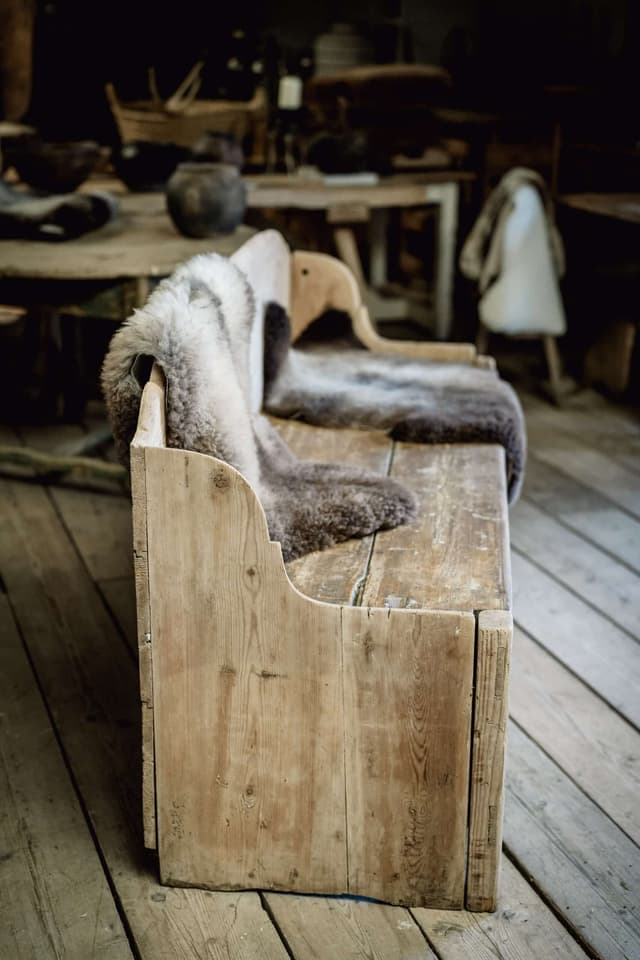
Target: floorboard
pixel 599 580
pixel 53 890
pixel 586 738
pixel 522 928
pixel 584 511
pixel 595 649
pixel 579 859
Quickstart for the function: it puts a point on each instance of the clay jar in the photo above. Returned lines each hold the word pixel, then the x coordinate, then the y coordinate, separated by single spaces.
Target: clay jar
pixel 204 199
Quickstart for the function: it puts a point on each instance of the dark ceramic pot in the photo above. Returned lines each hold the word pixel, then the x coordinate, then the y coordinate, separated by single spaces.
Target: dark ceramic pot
pixel 145 166
pixel 55 166
pixel 206 198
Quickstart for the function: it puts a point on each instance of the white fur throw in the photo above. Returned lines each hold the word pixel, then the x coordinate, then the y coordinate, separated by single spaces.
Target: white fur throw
pixel 197 325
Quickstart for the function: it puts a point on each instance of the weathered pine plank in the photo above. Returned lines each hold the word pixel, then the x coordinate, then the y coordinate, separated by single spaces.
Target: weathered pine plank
pixel 120 597
pixel 597 578
pixel 407 712
pixel 100 525
pixel 54 896
pixel 522 928
pixel 462 525
pixel 596 423
pixel 601 654
pixel 91 686
pixel 589 467
pixel 580 860
pixel 584 511
pixel 318 928
pixel 587 739
pixel 493 651
pixel 250 770
pixel 334 576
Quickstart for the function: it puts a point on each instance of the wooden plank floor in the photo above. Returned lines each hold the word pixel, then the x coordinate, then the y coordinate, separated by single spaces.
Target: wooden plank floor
pixel 74 879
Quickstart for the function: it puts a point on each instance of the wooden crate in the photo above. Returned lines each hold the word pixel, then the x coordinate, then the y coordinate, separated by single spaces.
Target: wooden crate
pixel 352 744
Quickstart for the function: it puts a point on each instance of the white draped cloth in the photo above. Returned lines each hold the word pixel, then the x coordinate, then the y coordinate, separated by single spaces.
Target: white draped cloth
pixel 515 253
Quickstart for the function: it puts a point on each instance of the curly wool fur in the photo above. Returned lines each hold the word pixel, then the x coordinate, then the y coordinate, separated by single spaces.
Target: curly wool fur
pixel 197 326
pixel 421 400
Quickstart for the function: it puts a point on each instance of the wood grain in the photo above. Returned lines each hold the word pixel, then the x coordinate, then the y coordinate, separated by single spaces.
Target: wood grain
pixel 572 560
pixel 408 687
pixel 581 861
pixel 319 929
pixel 584 511
pixel 335 575
pixel 614 430
pixel 120 597
pixel 591 743
pixel 54 894
pixel 249 733
pixel 490 711
pixel 455 556
pixel 100 525
pixel 602 655
pixel 590 467
pixel 522 928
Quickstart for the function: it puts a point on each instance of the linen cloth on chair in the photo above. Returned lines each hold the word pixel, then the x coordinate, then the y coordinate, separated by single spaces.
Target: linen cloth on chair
pixel 515 253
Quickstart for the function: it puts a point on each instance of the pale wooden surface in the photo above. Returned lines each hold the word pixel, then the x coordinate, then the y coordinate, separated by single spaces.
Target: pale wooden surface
pixel 92 704
pixel 141 242
pixel 491 707
pixel 151 432
pixel 460 526
pixel 407 712
pixel 319 282
pixel 275 715
pixel 316 927
pixel 402 190
pixel 271 721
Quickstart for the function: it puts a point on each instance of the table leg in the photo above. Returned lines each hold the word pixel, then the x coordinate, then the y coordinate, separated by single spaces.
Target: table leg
pixel 142 289
pixel 347 250
pixel 378 247
pixel 446 195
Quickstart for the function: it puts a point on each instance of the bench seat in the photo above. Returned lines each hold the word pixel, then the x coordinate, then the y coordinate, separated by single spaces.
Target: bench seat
pixel 335 726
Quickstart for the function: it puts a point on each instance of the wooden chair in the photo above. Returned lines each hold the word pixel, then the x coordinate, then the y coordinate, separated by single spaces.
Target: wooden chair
pixel 336 726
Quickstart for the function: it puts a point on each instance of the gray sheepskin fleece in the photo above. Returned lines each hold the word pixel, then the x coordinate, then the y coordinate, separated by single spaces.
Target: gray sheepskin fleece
pixel 423 401
pixel 197 325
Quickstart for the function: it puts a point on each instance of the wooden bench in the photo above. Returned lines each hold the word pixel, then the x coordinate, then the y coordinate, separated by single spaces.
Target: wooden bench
pixel 336 725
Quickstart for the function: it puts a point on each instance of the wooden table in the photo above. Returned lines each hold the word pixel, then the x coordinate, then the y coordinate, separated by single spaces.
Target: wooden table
pixel 347 204
pixel 141 244
pixel 105 273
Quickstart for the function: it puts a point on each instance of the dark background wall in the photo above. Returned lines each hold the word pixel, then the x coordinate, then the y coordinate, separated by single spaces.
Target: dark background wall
pixel 499 51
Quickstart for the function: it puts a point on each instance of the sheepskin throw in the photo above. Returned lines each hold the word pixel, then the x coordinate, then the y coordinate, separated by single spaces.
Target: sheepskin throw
pixel 197 325
pixel 419 400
